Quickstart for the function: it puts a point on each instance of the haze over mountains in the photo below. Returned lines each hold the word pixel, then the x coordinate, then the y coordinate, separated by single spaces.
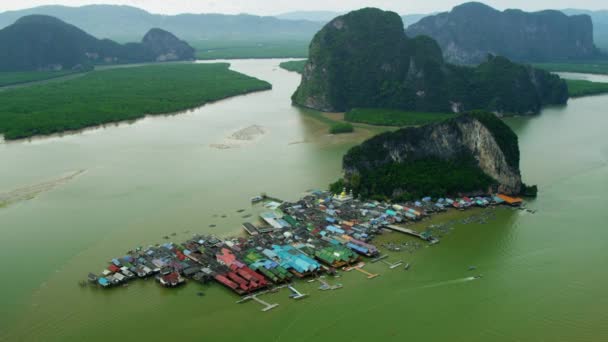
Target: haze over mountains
pixel 126 23
pixel 471 31
pixel 39 42
pixel 600 25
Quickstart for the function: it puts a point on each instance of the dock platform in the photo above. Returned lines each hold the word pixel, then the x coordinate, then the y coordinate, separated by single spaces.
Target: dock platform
pixel 404 231
pixel 295 294
pixel 267 306
pixel 393 265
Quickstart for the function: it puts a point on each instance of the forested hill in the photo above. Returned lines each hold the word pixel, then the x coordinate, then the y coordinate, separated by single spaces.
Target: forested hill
pixel 39 42
pixel 364 60
pixel 125 23
pixel 471 154
pixel 472 30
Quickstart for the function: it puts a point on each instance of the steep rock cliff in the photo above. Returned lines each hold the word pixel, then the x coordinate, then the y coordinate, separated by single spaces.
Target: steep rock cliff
pixel 472 30
pixel 165 46
pixel 478 149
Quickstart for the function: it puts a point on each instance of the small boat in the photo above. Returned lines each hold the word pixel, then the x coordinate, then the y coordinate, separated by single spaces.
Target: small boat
pixel 257 199
pixel 92 278
pixel 407 267
pixel 478 276
pixel 200 294
pixel 472 268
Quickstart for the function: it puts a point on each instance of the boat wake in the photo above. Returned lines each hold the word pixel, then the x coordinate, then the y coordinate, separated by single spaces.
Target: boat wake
pixel 31 191
pixel 449 282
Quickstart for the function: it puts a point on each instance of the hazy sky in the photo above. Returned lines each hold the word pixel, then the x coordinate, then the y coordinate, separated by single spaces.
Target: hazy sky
pixel 270 7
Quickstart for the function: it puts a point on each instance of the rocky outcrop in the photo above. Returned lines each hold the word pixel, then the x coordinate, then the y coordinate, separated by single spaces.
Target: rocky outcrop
pixel 166 47
pixel 479 142
pixel 364 59
pixel 473 30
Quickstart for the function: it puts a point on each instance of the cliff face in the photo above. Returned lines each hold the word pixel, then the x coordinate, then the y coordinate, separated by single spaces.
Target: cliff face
pixel 471 31
pixel 165 46
pixel 364 59
pixel 479 143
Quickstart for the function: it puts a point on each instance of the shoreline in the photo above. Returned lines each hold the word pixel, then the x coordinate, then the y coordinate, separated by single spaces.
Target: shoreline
pixel 118 123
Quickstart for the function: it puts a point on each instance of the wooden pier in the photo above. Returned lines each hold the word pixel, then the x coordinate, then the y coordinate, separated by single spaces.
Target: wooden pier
pixel 267 306
pixel 326 286
pixel 393 265
pixel 295 293
pixel 405 231
pixel 382 257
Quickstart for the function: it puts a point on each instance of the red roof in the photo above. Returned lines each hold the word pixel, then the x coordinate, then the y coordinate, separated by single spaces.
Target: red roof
pixel 113 268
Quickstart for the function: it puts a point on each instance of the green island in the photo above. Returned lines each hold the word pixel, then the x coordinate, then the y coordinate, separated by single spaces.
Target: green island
pixel 341 128
pixel 20 77
pixel 393 117
pixel 593 67
pixel 117 95
pixel 236 49
pixel 580 88
pixel 295 66
pixel 334 126
pixel 435 160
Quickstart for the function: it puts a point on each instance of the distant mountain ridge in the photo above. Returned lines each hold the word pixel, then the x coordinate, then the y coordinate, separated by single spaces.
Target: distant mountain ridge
pixel 327 16
pixel 321 16
pixel 469 32
pixel 125 23
pixel 40 42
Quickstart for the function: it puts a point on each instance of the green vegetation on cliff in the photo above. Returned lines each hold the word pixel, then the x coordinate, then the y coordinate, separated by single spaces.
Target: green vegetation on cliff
pixel 364 60
pixel 425 177
pixel 499 85
pixel 580 88
pixel 440 159
pixel 295 66
pixel 116 95
pixel 503 135
pixel 393 117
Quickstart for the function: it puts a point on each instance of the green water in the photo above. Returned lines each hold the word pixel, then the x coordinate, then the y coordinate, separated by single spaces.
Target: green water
pixel 544 275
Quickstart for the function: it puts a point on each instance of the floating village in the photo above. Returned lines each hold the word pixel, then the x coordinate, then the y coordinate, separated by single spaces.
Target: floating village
pixel 321 234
